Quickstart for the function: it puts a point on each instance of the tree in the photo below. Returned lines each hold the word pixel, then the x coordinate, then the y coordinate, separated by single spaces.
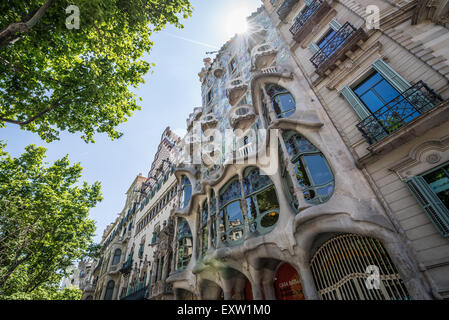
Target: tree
pixel 44 224
pixel 53 78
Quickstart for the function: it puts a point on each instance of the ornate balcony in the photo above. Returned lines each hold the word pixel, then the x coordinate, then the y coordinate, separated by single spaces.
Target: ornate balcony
pixel 308 18
pixel 242 117
pixel 127 266
pixel 285 8
pixel 197 112
pixel 403 109
pixel 217 70
pixel 347 38
pixel 263 56
pixel 236 88
pixel 208 121
pixel 161 288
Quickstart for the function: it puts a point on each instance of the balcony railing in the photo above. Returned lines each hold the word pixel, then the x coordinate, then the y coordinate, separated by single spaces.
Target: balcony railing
pixel 308 18
pixel 127 266
pixel 410 104
pixel 285 8
pixel 342 41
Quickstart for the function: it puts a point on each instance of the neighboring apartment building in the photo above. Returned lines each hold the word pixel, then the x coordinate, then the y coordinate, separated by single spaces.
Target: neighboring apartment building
pixel 350 125
pixel 125 270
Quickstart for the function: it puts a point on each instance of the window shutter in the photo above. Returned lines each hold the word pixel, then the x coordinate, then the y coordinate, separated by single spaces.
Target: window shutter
pixel 308 2
pixel 391 76
pixel 313 46
pixel 432 205
pixel 355 102
pixel 335 25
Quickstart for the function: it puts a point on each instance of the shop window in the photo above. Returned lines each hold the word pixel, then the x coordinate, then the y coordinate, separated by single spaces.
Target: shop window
pixel 231 227
pixel 185 244
pixel 261 199
pixel 339 270
pixel 312 170
pixel 282 100
pixel 431 190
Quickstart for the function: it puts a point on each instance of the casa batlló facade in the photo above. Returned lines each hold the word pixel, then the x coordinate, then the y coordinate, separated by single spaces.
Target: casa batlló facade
pixel 316 168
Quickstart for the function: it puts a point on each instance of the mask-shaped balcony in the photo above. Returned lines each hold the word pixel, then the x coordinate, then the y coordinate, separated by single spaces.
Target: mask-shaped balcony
pixel 208 121
pixel 236 88
pixel 197 112
pixel 263 56
pixel 308 18
pixel 217 70
pixel 285 8
pixel 346 39
pixel 242 117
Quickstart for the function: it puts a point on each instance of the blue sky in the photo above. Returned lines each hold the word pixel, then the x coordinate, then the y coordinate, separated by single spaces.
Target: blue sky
pixel 169 94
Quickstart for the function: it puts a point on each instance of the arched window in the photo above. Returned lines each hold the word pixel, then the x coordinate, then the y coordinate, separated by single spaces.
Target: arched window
pixel 282 100
pixel 204 229
pixel 340 270
pixel 109 290
pixel 261 200
pixel 186 188
pixel 312 170
pixel 231 218
pixel 117 254
pixel 184 244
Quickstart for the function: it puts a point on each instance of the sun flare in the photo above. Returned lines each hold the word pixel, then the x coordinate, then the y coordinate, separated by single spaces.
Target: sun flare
pixel 236 23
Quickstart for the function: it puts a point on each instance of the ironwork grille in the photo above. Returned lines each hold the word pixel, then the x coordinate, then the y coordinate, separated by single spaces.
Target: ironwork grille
pixel 304 15
pixel 332 44
pixel 408 105
pixel 285 8
pixel 339 268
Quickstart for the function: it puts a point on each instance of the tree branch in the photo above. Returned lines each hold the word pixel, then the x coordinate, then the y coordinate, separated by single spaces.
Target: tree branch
pixel 53 105
pixel 7 35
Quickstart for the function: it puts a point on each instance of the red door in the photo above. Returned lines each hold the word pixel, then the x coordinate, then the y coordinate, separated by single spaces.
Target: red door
pixel 287 284
pixel 249 291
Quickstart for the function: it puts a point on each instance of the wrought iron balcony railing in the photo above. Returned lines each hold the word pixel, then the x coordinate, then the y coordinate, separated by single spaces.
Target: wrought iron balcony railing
pixel 127 266
pixel 285 8
pixel 410 104
pixel 308 18
pixel 333 44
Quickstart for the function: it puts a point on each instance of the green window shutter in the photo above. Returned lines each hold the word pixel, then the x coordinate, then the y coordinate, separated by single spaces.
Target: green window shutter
pixel 313 46
pixel 335 25
pixel 432 205
pixel 355 102
pixel 391 76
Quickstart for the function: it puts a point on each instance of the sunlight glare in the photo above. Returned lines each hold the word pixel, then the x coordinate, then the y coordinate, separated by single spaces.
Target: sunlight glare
pixel 236 22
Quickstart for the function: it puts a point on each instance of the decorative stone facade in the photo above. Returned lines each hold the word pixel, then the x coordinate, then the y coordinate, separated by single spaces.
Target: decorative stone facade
pixel 299 203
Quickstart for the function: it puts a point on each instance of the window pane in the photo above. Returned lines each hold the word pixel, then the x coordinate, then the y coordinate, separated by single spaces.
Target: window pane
pixel 367 83
pixel 386 91
pixel 372 101
pixel 234 214
pixel 318 169
pixel 301 174
pixel 267 200
pixel 439 182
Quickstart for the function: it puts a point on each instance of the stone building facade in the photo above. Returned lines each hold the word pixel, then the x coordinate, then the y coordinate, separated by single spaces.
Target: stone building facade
pixel 316 168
